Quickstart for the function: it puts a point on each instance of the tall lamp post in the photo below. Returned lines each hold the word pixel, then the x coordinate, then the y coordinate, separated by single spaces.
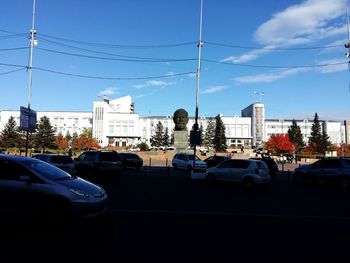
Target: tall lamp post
pixel 30 68
pixel 199 45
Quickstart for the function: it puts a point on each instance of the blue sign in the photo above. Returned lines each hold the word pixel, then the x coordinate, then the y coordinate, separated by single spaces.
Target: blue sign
pixel 27 120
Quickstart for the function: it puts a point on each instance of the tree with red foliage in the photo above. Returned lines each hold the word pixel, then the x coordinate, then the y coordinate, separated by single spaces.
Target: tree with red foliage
pixel 61 142
pixel 279 144
pixel 85 141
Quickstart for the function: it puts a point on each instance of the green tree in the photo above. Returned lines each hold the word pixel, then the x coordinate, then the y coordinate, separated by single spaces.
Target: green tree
pixel 10 135
pixel 87 132
pixel 45 134
pixel 315 139
pixel 68 137
pixel 74 138
pixel 143 146
pixel 296 137
pixel 166 138
pixel 219 137
pixel 325 144
pixel 157 137
pixel 209 134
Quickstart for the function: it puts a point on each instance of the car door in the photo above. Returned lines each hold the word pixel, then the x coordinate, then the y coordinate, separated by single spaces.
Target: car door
pixel 223 171
pixel 315 171
pixel 19 188
pixel 182 161
pixel 239 170
pixel 331 169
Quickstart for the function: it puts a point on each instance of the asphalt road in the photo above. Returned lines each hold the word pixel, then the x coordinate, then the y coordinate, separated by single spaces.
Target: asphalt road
pixel 171 218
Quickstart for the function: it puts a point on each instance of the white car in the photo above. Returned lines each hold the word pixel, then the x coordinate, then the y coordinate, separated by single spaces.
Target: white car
pixel 185 161
pixel 245 171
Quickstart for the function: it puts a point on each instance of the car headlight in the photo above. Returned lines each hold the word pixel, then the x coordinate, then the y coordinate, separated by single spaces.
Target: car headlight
pixel 80 193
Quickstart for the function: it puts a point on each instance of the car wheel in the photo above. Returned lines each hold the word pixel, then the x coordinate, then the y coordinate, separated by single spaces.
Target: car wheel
pixel 248 182
pixel 56 212
pixel 344 183
pixel 211 178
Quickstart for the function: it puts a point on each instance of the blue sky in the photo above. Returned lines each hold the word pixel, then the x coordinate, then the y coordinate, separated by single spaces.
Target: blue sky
pixel 249 47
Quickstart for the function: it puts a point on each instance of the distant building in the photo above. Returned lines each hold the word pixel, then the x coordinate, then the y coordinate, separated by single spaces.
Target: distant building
pixel 115 123
pixel 62 121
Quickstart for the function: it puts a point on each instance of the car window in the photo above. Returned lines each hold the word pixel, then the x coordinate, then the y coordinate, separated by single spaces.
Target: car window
pixel 332 163
pixel 182 157
pixel 109 156
pixel 61 159
pixel 226 164
pixel 260 165
pixel 242 164
pixel 46 170
pixel 90 156
pixel 12 171
pixel 191 157
pixel 317 165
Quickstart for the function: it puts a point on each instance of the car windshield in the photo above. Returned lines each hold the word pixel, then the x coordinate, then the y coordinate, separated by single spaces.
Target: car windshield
pixel 47 170
pixel 61 159
pixel 190 157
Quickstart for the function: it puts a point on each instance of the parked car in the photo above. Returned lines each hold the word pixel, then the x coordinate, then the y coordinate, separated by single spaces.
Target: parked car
pixel 63 162
pixel 33 187
pixel 335 170
pixel 215 160
pixel 131 160
pixel 98 163
pixel 271 164
pixel 185 161
pixel 245 171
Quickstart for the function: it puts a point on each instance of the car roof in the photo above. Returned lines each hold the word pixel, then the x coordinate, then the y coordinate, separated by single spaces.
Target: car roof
pixel 16 158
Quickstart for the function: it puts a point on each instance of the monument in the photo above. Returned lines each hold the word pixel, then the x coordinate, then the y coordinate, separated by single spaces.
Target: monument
pixel 180 134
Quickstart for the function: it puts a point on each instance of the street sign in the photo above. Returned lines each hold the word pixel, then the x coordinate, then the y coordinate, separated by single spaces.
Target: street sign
pixel 27 120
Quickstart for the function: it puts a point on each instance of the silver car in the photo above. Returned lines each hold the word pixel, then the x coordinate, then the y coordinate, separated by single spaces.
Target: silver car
pixel 245 171
pixel 31 186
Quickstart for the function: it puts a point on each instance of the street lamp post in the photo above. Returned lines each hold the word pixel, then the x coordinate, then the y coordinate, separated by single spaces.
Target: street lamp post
pixel 199 45
pixel 30 68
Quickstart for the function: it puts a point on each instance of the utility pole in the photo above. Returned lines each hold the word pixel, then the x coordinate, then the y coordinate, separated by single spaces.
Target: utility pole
pixel 347 54
pixel 195 126
pixel 30 68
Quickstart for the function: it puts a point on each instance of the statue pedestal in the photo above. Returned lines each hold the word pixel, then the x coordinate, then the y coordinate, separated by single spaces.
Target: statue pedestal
pixel 181 141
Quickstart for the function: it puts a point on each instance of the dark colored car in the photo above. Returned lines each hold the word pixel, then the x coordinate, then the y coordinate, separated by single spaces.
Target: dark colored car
pixel 271 164
pixel 131 160
pixel 64 162
pixel 215 160
pixel 30 186
pixel 96 163
pixel 336 170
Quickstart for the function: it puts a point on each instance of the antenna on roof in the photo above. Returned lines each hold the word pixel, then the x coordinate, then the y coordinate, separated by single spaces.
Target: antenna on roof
pixel 104 98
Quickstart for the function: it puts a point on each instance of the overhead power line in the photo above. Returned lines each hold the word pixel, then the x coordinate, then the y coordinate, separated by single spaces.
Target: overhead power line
pixel 12 71
pixel 121 46
pixel 135 59
pixel 11 49
pixel 98 77
pixel 272 49
pixel 274 67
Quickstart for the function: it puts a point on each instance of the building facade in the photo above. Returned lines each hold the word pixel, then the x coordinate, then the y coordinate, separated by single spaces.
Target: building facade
pixel 115 123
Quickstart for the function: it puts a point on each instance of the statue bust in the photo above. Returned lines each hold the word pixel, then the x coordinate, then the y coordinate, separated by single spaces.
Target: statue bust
pixel 180 119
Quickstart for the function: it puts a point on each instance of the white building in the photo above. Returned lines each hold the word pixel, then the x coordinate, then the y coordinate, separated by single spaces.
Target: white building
pixel 256 112
pixel 115 123
pixel 61 121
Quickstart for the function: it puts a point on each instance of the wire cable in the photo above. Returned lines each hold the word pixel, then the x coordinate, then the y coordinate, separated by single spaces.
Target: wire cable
pixel 267 48
pixel 12 71
pixel 275 67
pixel 116 59
pixel 12 49
pixel 103 53
pixel 121 46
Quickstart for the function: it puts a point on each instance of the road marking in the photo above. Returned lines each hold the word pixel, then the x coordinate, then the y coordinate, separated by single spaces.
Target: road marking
pixel 201 213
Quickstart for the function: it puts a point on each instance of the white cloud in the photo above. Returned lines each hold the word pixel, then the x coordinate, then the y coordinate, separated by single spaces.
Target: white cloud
pixel 108 91
pixel 302 23
pixel 265 78
pixel 154 83
pixel 299 24
pixel 335 66
pixel 213 89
